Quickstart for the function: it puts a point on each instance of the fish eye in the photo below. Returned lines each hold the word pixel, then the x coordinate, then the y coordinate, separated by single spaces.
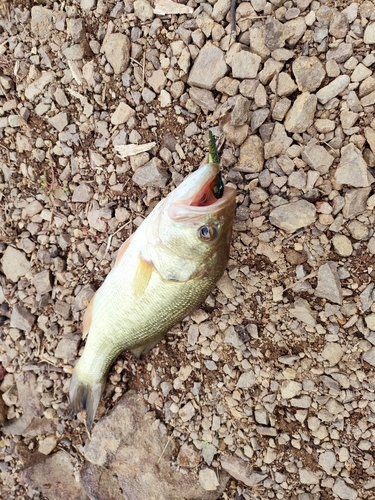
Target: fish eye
pixel 207 233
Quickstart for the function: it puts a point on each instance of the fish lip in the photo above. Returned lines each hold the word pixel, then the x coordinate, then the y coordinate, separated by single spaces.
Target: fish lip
pixel 184 207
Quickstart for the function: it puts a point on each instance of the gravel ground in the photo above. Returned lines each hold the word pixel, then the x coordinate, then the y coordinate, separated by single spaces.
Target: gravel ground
pixel 267 391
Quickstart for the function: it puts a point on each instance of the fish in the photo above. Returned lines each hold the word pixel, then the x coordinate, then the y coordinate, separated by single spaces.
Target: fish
pixel 162 273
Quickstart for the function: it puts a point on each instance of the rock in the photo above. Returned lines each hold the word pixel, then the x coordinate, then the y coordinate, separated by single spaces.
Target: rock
pixel 122 114
pixel 358 230
pixel 116 48
pixel 220 10
pixel 360 73
pixel 275 34
pixel 67 347
pixel 293 216
pixel 279 143
pixel 246 380
pixel 290 389
pixel 41 21
pixel 59 121
pixel 317 156
pixel 209 67
pixel 343 491
pixel 333 89
pixel 204 98
pixel 54 476
pixel 30 401
pixel 157 80
pixel 301 310
pixel 370 137
pixel 14 264
pixel 301 115
pixel 370 321
pixel 235 135
pixel 188 457
pixel 369 35
pixel 22 318
pixel 283 85
pixel 240 111
pixel 208 453
pixel 74 53
pixel 43 282
pixel 355 202
pixel 309 73
pixel 341 53
pixel 307 476
pixel 151 175
pixel 241 470
pixel 126 440
pixel 228 85
pixel 47 444
pixel 83 193
pixel 342 245
pixel 352 169
pixel 251 158
pixel 208 479
pixel 332 352
pixel 329 286
pixel 143 10
pixel 327 461
pixel 245 64
pixel 369 356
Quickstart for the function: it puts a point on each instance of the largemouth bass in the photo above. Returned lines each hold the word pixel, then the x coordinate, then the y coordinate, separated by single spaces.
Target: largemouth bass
pixel 162 273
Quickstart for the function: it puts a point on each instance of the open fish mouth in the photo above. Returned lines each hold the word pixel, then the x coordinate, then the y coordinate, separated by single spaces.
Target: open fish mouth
pixel 202 192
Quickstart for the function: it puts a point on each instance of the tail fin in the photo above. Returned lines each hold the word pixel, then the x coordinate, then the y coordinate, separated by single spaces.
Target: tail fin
pixel 85 395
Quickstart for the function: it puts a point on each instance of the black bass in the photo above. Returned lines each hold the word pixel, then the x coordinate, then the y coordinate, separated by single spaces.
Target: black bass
pixel 162 272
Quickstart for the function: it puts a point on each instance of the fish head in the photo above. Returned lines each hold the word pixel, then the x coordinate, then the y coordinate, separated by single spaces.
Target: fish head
pixel 191 229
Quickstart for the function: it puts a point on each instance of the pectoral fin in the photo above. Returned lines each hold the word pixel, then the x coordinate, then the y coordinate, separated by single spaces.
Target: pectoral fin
pixel 142 276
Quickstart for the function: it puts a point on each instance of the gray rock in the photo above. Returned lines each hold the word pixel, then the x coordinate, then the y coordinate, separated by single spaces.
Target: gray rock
pixel 43 282
pixel 358 230
pixel 41 21
pixel 208 479
pixel 22 318
pixel 283 85
pixel 37 86
pixel 281 108
pixel 369 36
pixel 208 453
pixel 246 380
pixel 151 175
pixel 54 477
pixel 122 114
pixel 74 52
pixel 143 10
pixel 67 347
pixel 251 158
pixel 293 216
pixel 307 476
pixel 30 400
pixel 369 99
pixel 301 115
pixel 329 286
pixel 309 73
pixel 228 86
pixel 258 117
pixel 317 156
pixel 204 98
pixel 275 34
pixel 344 491
pixel 366 297
pixel 83 193
pixel 245 64
pixel 82 299
pixel 209 67
pixel 240 111
pixel 116 48
pixel 341 53
pixel 235 135
pixel 342 245
pixel 290 389
pixel 352 169
pixel 241 470
pixel 126 440
pixel 14 264
pixel 59 121
pixel 220 10
pixel 355 202
pixel 369 356
pixel 157 80
pixel 332 352
pixel 279 142
pixel 333 89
